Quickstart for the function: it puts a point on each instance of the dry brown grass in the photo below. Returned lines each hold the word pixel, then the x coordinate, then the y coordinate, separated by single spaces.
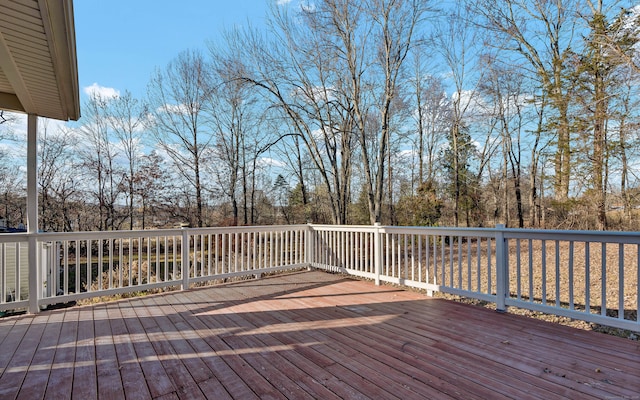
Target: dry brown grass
pixel 138 274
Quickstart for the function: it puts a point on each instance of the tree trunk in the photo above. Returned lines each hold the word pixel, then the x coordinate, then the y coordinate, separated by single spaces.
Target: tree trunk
pixel 198 188
pixel 456 176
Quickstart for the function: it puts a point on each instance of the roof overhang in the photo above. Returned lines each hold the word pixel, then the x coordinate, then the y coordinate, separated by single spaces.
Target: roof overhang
pixel 38 63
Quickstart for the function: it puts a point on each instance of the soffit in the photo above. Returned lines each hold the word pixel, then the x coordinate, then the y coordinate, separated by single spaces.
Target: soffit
pixel 38 64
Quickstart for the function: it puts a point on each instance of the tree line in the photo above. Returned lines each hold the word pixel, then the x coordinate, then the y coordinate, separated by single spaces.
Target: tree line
pixel 404 112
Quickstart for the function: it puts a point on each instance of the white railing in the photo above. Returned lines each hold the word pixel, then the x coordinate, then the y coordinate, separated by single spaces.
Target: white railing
pixel 219 253
pixel 78 265
pixel 457 261
pixel 591 276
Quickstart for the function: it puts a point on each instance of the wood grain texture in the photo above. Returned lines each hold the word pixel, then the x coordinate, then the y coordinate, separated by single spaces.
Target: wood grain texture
pixel 306 335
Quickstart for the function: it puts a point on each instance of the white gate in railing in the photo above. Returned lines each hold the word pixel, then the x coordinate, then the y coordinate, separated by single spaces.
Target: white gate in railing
pixel 586 275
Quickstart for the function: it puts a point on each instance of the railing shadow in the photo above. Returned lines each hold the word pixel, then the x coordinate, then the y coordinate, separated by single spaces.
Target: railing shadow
pixel 300 335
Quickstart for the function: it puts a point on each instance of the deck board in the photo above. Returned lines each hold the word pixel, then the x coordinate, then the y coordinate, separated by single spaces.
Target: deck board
pixel 61 377
pixel 306 335
pixel 348 340
pixel 202 341
pixel 35 381
pixel 539 355
pixel 341 355
pixel 130 369
pixel 12 379
pixel 172 362
pixel 84 370
pixel 156 377
pixel 108 370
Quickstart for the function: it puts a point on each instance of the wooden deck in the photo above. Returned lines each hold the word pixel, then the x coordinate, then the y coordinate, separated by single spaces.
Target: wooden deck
pixel 306 335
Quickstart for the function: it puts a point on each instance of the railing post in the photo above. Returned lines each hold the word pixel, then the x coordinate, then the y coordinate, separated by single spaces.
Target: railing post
pixel 35 274
pixel 184 265
pixel 501 270
pixel 309 246
pixel 377 255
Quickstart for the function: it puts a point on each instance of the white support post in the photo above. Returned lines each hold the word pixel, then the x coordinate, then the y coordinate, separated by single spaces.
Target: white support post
pixel 377 260
pixel 184 264
pixel 35 277
pixel 501 270
pixel 308 246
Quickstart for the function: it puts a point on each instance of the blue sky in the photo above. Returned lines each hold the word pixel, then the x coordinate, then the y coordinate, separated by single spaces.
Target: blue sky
pixel 121 42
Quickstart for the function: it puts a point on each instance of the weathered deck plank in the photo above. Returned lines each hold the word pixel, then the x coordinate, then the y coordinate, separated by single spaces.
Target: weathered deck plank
pixel 35 381
pixel 306 335
pixel 108 369
pixel 84 372
pixel 133 380
pixel 337 354
pixel 16 369
pixel 155 375
pixel 60 382
pixel 201 339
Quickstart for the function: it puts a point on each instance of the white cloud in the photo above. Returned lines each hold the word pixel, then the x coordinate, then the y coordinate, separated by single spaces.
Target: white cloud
pixel 316 94
pixel 406 155
pixel 102 92
pixel 282 2
pixel 11 149
pixel 17 125
pixel 271 162
pixel 15 122
pixel 465 97
pixel 178 109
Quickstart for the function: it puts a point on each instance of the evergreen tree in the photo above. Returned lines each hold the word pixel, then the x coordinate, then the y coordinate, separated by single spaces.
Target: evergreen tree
pixel 457 159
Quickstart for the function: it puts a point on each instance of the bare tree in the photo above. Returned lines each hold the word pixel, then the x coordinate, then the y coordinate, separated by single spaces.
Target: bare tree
pixel 56 181
pixel 239 135
pixel 457 43
pixel 127 116
pixel 98 155
pixel 503 90
pixel 149 181
pixel 299 164
pixel 9 172
pixel 6 117
pixel 12 183
pixel 178 98
pixel 432 118
pixel 541 32
pixel 297 72
pixel 393 24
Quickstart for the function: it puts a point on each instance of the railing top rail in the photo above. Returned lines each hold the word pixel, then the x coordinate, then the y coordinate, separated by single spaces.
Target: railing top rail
pixel 343 228
pixel 438 231
pixel 14 237
pixel 509 233
pixel 582 236
pixel 416 230
pixel 254 228
pixel 93 235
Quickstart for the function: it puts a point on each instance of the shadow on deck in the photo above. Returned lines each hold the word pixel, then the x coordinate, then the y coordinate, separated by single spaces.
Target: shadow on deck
pixel 306 335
